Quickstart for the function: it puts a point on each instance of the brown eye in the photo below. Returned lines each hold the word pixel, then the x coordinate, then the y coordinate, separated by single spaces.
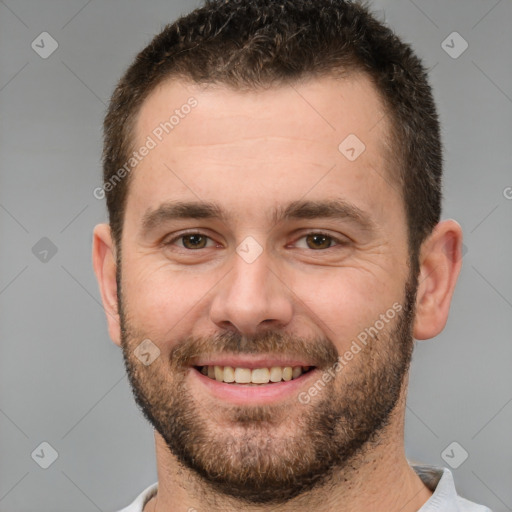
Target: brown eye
pixel 318 241
pixel 194 241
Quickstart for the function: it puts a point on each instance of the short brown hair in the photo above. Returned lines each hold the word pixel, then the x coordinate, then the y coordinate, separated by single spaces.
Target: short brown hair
pixel 259 43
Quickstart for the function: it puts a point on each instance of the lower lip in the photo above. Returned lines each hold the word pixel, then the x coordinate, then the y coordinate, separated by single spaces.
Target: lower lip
pixel 241 394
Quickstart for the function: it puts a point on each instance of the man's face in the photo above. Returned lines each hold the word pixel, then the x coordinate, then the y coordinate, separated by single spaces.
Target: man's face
pixel 258 288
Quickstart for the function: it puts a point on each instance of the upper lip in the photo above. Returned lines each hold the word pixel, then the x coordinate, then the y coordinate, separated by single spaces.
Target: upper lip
pixel 248 361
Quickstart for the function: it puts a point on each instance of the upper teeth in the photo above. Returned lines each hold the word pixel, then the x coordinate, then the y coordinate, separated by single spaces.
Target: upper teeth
pixel 253 376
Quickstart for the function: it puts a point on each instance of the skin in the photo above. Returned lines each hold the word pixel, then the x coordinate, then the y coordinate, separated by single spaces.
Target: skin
pixel 251 152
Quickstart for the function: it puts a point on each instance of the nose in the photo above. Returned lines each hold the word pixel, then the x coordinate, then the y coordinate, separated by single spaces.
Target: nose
pixel 252 298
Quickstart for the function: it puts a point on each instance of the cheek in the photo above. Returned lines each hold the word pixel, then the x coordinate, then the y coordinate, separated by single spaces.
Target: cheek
pixel 345 302
pixel 162 301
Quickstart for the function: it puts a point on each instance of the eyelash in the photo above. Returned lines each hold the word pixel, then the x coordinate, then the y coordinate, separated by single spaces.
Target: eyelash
pixel 189 233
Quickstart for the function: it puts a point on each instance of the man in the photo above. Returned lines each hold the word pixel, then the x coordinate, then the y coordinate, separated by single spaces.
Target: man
pixel 272 170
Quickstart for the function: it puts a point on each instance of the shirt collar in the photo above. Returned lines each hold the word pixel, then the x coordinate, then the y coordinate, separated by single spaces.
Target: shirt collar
pixel 440 482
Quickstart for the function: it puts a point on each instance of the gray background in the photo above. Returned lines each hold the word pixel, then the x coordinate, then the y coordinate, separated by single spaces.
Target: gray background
pixel 62 380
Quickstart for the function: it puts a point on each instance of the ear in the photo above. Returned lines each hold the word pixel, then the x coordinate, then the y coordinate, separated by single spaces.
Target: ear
pixel 440 264
pixel 104 263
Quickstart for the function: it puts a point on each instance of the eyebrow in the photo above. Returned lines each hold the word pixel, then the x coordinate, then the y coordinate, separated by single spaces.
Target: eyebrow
pixel 301 209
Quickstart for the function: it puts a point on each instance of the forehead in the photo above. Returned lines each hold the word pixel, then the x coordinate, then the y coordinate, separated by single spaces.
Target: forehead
pixel 321 105
pixel 204 137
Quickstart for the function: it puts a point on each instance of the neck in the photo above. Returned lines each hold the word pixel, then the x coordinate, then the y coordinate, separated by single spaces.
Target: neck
pixel 379 480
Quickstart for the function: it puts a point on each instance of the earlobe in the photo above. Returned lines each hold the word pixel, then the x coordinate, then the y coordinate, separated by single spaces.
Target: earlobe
pixel 440 264
pixel 104 264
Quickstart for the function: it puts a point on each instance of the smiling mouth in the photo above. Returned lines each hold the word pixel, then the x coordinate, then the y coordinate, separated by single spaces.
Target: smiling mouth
pixel 253 376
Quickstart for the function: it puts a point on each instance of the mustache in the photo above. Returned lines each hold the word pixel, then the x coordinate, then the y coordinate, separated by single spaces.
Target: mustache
pixel 319 351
